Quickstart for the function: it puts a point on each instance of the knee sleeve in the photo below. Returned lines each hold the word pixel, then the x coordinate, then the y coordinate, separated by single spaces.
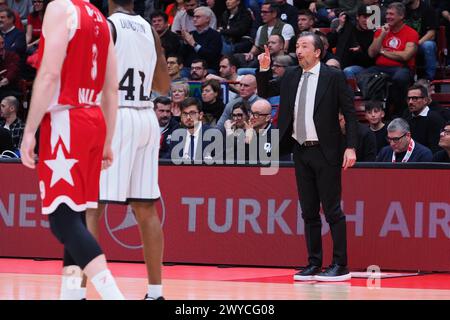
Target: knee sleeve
pixel 70 229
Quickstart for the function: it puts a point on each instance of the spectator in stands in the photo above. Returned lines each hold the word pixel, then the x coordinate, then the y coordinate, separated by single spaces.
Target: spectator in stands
pixel 192 144
pixel 9 108
pixel 174 66
pixel 173 8
pixel 178 92
pixel 279 65
pixel 444 10
pixel 199 70
pixel 425 124
pixel 394 47
pixel 228 73
pixel 328 10
pixel 23 7
pixel 18 22
pixel 212 102
pixel 34 25
pixel 433 105
pixel 374 114
pixel 366 150
pixel 305 23
pixel 272 25
pixel 235 133
pixel 9 71
pixel 236 28
pixel 444 143
pixel 260 128
pixel 402 147
pixel 287 13
pixel 328 58
pixel 247 93
pixel 276 48
pixel 423 18
pixel 167 124
pixel 170 41
pixel 352 43
pixel 204 42
pixel 184 19
pixel 277 70
pixel 218 7
pixel 14 38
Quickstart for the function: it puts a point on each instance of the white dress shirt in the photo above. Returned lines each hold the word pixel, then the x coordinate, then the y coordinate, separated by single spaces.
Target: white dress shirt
pixel 311 133
pixel 187 144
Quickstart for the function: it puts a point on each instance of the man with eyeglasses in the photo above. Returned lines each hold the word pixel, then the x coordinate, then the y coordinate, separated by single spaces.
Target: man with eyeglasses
pixel 444 143
pixel 199 70
pixel 402 147
pixel 187 142
pixel 261 123
pixel 424 123
pixel 247 92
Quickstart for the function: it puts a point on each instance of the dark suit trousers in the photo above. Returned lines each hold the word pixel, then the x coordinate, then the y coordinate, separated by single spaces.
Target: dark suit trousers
pixel 319 182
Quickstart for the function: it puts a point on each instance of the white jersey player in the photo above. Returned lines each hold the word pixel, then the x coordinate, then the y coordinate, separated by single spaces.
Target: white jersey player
pixel 133 176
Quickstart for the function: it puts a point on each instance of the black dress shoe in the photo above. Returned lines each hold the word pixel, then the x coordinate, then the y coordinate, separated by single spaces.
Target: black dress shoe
pixel 149 298
pixel 334 272
pixel 308 273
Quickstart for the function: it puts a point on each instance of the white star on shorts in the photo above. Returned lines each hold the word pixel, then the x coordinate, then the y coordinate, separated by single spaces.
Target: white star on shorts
pixel 61 168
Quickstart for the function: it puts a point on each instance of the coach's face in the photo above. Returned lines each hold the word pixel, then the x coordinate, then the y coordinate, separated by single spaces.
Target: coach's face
pixel 308 56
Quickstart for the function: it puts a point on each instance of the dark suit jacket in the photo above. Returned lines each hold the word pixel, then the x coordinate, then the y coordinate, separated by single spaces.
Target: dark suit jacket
pixel 180 139
pixel 332 94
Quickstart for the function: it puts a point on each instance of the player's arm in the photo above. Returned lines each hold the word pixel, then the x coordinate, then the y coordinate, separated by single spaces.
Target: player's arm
pixel 56 33
pixel 161 79
pixel 109 102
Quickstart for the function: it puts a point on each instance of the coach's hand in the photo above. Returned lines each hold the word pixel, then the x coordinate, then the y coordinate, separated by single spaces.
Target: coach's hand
pixel 27 154
pixel 264 59
pixel 349 158
pixel 107 157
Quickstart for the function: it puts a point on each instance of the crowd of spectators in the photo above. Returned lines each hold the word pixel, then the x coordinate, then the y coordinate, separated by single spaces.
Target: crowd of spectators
pixel 212 50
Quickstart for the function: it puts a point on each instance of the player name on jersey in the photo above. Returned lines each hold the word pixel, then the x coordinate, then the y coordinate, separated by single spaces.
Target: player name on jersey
pixel 133 25
pixel 86 96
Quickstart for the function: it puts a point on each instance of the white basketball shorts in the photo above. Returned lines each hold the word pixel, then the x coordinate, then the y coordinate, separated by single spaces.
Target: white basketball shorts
pixel 133 174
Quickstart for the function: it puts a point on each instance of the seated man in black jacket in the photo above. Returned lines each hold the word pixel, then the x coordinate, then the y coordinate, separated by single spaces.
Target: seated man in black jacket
pixel 352 43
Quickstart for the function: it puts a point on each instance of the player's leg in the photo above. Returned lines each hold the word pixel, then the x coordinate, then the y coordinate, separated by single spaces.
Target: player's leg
pixel 68 227
pixel 93 217
pixel 152 240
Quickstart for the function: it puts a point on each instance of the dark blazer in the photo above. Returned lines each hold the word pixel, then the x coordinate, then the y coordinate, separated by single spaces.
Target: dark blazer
pixel 332 94
pixel 179 138
pixel 419 154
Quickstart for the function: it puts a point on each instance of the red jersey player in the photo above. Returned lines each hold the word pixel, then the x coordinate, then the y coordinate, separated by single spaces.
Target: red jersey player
pixel 75 101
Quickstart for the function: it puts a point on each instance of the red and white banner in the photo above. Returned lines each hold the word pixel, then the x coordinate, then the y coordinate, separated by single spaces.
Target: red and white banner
pixel 398 219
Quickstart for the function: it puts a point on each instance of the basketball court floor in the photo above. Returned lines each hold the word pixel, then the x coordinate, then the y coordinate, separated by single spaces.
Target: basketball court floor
pixel 28 279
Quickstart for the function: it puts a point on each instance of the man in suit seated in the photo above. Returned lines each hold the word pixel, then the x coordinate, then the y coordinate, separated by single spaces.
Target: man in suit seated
pixel 190 142
pixel 402 147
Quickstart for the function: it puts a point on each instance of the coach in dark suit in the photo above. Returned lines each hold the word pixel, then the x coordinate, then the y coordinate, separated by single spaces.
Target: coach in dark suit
pixel 310 98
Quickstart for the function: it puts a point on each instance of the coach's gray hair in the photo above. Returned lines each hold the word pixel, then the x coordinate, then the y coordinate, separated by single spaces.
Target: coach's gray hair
pixel 399 7
pixel 205 11
pixel 398 124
